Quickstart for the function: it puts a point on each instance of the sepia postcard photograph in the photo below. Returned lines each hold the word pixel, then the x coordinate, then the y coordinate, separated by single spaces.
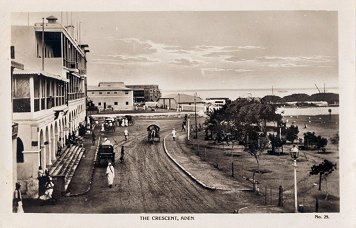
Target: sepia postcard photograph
pixel 177 116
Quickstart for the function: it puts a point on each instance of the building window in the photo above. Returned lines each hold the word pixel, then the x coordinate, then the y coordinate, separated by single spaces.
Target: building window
pixel 99 103
pixel 115 92
pixel 127 103
pixel 116 103
pixel 107 92
pixel 100 92
pixel 126 92
pixel 92 92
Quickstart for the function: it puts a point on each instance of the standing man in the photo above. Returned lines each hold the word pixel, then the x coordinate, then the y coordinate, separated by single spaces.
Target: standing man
pixel 110 174
pixel 17 200
pixel 122 154
pixel 126 133
pixel 174 134
pixel 93 137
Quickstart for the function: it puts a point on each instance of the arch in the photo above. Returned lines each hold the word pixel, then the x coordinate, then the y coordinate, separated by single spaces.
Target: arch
pixel 19 151
pixel 42 149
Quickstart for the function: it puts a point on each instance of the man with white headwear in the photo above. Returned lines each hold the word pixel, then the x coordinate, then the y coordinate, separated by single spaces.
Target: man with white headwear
pixel 110 174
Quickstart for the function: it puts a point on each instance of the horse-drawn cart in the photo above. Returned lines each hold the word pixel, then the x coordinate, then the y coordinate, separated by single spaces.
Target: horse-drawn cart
pixel 153 133
pixel 109 124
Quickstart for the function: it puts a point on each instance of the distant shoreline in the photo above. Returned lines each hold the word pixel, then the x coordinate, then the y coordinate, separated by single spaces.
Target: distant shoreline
pixel 307 111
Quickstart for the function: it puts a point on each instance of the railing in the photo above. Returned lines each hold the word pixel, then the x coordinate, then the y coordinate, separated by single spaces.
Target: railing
pixel 21 105
pixel 73 96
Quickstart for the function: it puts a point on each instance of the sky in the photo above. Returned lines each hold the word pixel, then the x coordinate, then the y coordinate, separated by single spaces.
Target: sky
pixel 207 50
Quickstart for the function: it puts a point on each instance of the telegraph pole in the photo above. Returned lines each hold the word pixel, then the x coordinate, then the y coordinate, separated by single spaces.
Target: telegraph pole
pixel 195 115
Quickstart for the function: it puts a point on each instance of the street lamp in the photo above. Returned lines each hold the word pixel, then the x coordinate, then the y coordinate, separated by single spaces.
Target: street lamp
pixel 195 114
pixel 294 153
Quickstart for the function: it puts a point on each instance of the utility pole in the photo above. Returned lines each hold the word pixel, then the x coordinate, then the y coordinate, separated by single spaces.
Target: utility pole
pixel 195 114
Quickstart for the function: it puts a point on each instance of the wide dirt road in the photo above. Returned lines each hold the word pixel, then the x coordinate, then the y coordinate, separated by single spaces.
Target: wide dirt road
pixel 148 182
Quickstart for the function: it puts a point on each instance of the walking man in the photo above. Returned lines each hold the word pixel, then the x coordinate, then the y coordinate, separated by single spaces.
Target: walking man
pixel 174 134
pixel 126 133
pixel 122 154
pixel 110 174
pixel 93 137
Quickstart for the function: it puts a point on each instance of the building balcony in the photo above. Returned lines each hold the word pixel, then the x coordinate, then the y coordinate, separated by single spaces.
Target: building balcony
pixel 73 96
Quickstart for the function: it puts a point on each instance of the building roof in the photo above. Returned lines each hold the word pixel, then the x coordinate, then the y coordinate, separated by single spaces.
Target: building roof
pixel 39 73
pixel 107 88
pixel 182 98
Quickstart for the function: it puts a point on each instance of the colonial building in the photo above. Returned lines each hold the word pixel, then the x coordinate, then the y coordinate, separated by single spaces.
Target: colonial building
pixel 48 95
pixel 142 93
pixel 17 146
pixel 183 101
pixel 111 96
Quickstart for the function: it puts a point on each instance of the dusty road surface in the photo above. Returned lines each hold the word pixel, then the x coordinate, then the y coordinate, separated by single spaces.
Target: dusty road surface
pixel 148 182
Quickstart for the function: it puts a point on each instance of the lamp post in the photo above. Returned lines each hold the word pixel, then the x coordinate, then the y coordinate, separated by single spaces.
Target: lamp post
pixel 294 153
pixel 195 115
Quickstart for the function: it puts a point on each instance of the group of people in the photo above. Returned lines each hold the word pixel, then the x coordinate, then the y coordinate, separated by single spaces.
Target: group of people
pixel 124 122
pixel 46 186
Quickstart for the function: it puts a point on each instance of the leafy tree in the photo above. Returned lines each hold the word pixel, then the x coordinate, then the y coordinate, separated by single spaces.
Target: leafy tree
pixel 335 139
pixel 323 170
pixel 291 133
pixel 310 139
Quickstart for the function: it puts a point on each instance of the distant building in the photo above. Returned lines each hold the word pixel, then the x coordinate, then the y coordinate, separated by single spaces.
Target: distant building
pixel 218 101
pixel 143 93
pixel 48 95
pixel 111 96
pixel 183 101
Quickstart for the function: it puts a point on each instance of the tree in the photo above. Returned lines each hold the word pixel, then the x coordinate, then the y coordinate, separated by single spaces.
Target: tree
pixel 291 133
pixel 323 170
pixel 310 139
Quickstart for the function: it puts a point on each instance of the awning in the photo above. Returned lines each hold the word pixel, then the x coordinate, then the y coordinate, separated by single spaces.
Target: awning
pixel 39 73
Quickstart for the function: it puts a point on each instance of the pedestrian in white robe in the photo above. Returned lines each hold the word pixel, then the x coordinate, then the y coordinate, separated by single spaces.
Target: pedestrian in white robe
pixel 110 174
pixel 174 134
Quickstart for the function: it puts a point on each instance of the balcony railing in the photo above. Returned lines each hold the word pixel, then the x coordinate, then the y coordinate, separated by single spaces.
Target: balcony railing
pixel 73 96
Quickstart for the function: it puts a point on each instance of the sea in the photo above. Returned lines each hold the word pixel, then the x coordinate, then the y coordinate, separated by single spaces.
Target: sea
pixel 233 94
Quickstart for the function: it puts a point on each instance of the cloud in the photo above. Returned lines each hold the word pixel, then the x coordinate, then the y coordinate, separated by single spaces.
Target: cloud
pixel 286 65
pixel 185 62
pixel 132 46
pixel 220 53
pixel 250 47
pixel 118 59
pixel 225 70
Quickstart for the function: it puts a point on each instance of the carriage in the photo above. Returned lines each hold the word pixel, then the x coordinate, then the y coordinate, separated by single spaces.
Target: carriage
pixel 106 153
pixel 153 133
pixel 109 124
